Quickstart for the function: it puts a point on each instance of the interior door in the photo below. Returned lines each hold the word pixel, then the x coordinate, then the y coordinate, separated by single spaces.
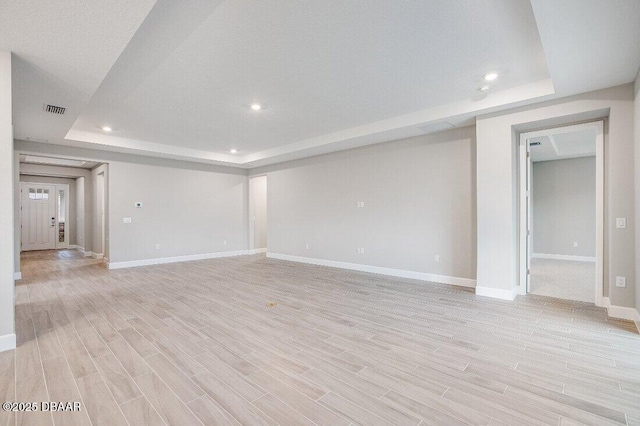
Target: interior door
pixel 38 216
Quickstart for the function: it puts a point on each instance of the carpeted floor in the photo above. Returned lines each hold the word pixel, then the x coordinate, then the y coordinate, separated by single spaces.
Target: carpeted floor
pixel 563 279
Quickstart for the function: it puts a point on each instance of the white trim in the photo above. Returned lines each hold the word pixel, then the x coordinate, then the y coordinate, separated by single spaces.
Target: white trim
pixel 17 276
pixel 97 255
pixel 88 253
pixel 187 258
pixel 401 273
pixel 256 251
pixel 497 293
pixel 564 257
pixel 621 312
pixel 76 247
pixel 7 342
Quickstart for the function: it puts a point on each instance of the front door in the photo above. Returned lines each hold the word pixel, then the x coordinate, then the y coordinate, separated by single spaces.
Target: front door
pixel 38 216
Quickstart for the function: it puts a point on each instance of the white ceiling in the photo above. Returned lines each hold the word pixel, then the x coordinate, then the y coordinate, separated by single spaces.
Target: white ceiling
pixel 176 79
pixel 561 144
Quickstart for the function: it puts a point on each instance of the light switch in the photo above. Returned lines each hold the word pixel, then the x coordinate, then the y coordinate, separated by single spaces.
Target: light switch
pixel 621 281
pixel 621 222
pixel 126 220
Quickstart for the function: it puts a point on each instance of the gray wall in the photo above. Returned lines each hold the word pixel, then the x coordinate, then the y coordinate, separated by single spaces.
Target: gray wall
pixel 186 211
pixel 72 223
pixel 419 196
pixel 563 197
pixel 258 212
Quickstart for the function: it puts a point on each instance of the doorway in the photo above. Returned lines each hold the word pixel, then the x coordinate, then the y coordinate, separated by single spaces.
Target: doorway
pixel 562 212
pixel 258 214
pixel 45 212
pixel 100 199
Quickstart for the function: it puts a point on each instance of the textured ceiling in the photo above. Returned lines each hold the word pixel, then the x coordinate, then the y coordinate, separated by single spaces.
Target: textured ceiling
pixel 176 79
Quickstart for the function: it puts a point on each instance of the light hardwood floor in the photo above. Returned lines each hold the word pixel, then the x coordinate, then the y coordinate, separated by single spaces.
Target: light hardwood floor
pixel 250 340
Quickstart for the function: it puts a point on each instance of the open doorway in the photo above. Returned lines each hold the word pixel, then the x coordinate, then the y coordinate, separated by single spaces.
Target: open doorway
pixel 258 214
pixel 62 217
pixel 562 210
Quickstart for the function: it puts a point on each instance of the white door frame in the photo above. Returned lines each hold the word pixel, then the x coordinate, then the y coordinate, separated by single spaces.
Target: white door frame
pixel 57 186
pixel 524 200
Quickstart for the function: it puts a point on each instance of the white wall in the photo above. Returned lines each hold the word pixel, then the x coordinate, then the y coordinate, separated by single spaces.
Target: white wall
pixel 185 211
pixel 7 185
pixel 497 190
pixel 71 224
pixel 563 198
pixel 258 212
pixel 418 196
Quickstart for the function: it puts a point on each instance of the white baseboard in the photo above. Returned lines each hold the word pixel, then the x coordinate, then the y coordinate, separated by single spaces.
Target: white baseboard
pixel 256 251
pixel 422 276
pixel 497 293
pixel 621 312
pixel 97 255
pixel 7 342
pixel 563 257
pixel 88 253
pixel 17 276
pixel 161 260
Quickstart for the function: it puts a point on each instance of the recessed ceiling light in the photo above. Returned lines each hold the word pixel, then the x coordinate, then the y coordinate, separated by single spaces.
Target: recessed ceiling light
pixel 491 76
pixel 484 88
pixel 256 107
pixel 234 151
pixel 107 129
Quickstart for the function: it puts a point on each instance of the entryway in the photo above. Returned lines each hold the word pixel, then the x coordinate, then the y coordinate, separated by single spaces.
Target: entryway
pixel 258 214
pixel 561 212
pixel 45 212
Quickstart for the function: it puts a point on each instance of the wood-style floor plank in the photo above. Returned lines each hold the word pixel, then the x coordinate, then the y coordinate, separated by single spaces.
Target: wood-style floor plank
pixel 251 340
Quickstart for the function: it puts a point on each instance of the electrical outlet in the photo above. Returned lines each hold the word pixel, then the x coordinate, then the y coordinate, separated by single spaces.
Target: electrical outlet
pixel 360 250
pixel 138 205
pixel 575 244
pixel 621 222
pixel 157 246
pixel 437 258
pixel 126 220
pixel 360 204
pixel 307 247
pixel 621 281
pixel 224 242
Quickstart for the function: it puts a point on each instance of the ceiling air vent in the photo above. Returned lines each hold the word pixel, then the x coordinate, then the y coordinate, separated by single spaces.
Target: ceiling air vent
pixel 54 109
pixel 534 143
pixel 437 126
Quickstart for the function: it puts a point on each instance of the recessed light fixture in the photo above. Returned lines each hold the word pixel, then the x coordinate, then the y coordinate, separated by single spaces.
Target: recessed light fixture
pixel 491 76
pixel 484 88
pixel 234 151
pixel 256 107
pixel 107 129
